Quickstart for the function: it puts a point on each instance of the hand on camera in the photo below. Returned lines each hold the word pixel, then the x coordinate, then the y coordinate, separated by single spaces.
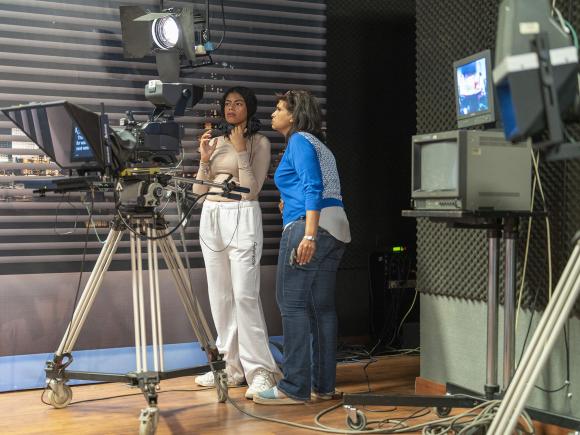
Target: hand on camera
pixel 237 137
pixel 207 146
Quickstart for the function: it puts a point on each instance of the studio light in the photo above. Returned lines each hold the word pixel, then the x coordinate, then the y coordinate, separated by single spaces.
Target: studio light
pixel 172 36
pixel 171 29
pixel 165 32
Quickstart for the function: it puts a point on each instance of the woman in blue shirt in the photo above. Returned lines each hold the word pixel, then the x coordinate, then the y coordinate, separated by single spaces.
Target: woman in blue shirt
pixel 312 243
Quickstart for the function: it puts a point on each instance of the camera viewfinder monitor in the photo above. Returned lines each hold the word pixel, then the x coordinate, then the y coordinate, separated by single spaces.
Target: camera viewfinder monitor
pixel 474 100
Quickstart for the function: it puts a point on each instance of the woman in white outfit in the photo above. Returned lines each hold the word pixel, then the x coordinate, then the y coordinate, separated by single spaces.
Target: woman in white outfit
pixel 231 240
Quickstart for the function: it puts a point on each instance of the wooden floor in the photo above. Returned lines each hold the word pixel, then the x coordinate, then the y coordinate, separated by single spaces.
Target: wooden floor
pixel 185 409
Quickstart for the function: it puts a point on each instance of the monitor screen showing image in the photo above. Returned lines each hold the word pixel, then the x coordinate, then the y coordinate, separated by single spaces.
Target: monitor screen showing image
pixel 474 98
pixel 472 88
pixel 80 150
pixel 439 170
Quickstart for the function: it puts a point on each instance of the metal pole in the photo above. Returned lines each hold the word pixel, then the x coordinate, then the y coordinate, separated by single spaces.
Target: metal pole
pixel 136 325
pixel 491 385
pixel 509 344
pixel 143 332
pixel 158 302
pixel 152 297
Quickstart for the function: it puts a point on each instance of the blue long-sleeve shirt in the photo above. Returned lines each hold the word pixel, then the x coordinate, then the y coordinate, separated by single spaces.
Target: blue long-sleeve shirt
pixel 307 177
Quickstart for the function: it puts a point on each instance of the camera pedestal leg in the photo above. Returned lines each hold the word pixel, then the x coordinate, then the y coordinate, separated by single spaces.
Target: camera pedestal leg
pixel 147 380
pixel 193 311
pixel 90 292
pixel 60 394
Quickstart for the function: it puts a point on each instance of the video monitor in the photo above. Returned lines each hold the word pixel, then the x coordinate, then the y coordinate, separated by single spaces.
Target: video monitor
pixel 68 134
pixel 469 170
pixel 474 90
pixel 81 150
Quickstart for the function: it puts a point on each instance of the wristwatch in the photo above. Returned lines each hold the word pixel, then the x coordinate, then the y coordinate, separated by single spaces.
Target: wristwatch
pixel 311 238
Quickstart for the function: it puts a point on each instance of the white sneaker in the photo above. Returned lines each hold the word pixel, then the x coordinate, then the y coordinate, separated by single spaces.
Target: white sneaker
pixel 208 380
pixel 263 380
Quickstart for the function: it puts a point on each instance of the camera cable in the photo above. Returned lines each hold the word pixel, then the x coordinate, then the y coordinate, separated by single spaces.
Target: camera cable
pixel 231 238
pixel 56 214
pixel 223 37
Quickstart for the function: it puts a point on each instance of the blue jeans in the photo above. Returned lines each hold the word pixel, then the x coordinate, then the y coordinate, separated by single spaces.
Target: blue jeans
pixel 306 298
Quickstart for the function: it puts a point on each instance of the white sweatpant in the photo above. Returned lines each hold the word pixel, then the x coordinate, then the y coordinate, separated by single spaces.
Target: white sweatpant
pixel 231 240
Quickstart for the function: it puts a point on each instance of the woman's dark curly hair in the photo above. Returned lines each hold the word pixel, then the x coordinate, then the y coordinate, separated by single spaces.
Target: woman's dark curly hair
pixel 253 124
pixel 305 110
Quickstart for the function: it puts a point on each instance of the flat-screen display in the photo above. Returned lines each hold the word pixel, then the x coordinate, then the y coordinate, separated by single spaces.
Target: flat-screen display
pixel 472 87
pixel 439 166
pixel 80 149
pixel 474 98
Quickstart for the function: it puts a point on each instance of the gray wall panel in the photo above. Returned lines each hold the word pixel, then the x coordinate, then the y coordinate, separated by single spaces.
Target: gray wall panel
pixel 34 311
pixel 453 350
pixel 51 50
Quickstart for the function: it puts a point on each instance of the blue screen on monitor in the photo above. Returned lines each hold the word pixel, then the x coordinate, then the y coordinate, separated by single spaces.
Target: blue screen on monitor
pixel 472 91
pixel 80 150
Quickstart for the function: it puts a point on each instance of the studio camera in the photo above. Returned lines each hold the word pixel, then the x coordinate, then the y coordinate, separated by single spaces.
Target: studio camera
pixel 157 141
pixel 79 140
pixel 131 158
pixel 135 157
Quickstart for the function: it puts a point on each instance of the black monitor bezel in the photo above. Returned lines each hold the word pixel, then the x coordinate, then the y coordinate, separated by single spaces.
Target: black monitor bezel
pixel 420 140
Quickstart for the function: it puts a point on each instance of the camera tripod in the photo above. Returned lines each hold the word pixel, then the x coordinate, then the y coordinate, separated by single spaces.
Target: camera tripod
pixel 154 227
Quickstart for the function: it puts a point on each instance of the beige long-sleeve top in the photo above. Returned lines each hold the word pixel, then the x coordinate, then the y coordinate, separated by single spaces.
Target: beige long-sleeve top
pixel 249 168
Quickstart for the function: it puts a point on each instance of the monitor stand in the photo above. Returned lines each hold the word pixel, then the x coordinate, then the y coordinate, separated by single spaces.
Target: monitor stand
pixel 497 223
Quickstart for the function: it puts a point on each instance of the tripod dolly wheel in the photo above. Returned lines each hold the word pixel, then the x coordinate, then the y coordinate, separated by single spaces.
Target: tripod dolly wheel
pixel 443 411
pixel 221 381
pixel 148 420
pixel 59 394
pixel 359 422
